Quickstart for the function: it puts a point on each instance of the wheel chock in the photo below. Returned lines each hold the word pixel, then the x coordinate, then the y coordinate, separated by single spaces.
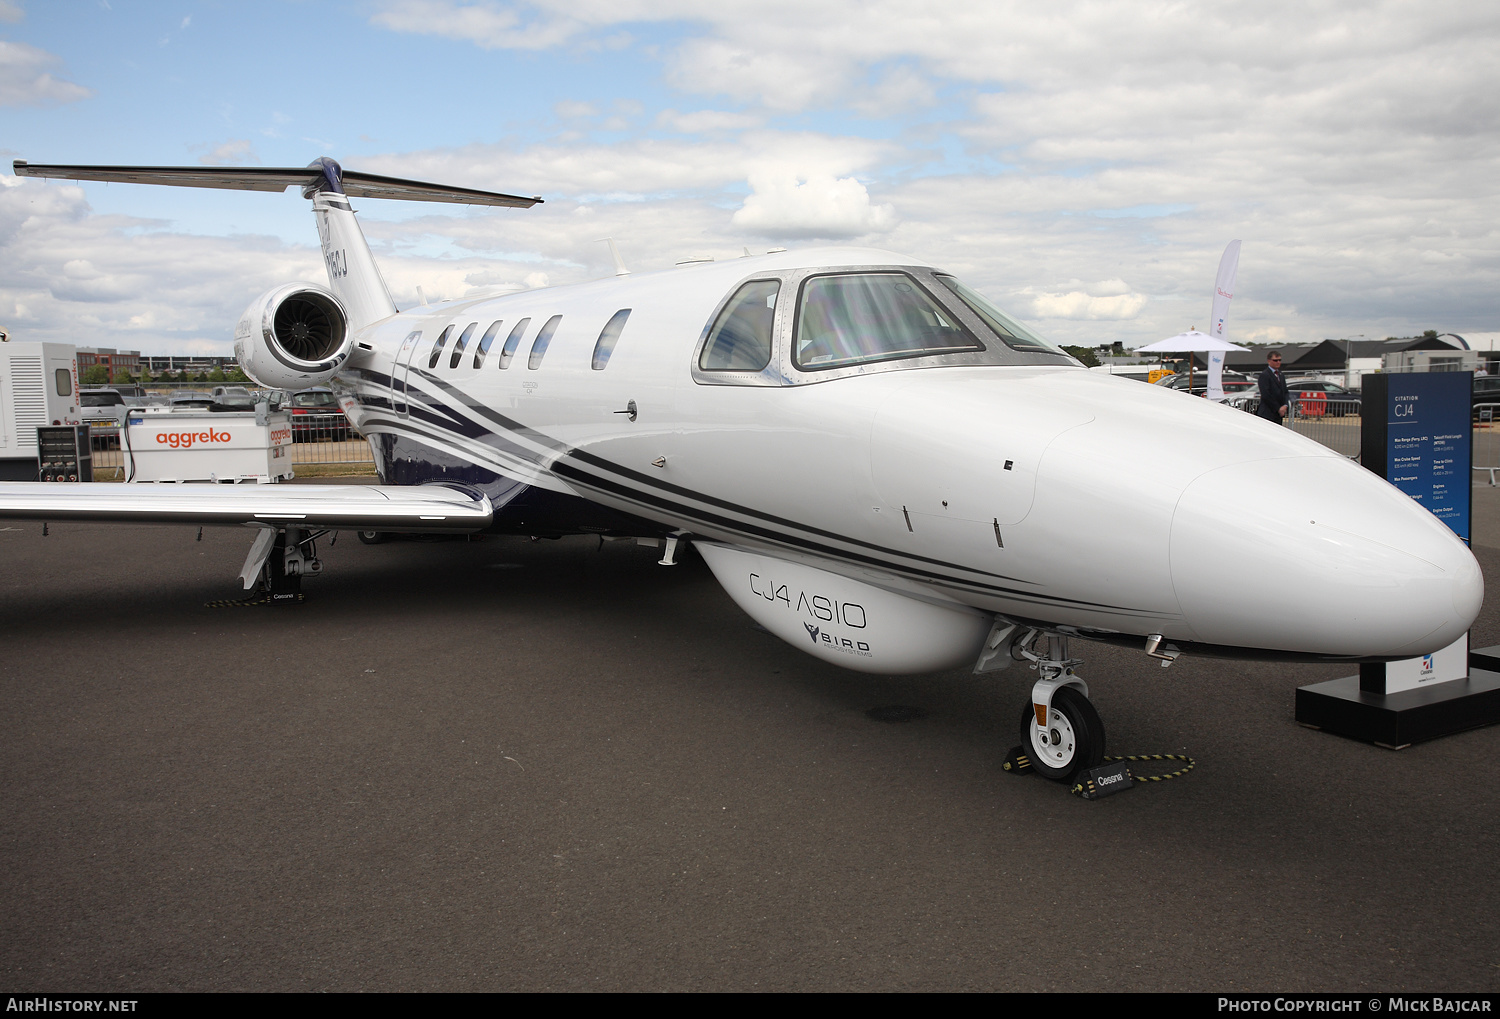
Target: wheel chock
pixel 1105 780
pixel 1017 762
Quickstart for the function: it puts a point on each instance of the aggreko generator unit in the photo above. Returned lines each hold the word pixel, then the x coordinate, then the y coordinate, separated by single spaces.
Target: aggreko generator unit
pixel 198 445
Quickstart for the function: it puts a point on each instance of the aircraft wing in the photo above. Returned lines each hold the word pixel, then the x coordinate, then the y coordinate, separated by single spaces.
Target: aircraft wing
pixel 419 508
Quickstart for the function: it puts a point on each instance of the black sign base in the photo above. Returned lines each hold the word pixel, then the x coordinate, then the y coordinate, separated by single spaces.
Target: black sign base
pixel 1397 720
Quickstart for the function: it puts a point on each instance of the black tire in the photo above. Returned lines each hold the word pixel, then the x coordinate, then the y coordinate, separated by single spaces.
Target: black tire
pixel 1078 718
pixel 373 537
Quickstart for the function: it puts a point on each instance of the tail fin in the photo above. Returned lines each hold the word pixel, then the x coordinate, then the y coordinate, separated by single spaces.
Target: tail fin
pixel 352 273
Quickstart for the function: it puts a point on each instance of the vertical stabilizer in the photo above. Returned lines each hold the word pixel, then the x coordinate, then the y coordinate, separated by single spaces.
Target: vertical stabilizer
pixel 352 273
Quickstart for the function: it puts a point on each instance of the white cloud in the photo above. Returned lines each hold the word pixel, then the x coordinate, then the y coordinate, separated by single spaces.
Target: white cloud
pixel 231 153
pixel 707 121
pixel 822 206
pixel 636 167
pixel 778 78
pixel 79 277
pixel 26 81
pixel 1079 304
pixel 488 25
pixel 11 12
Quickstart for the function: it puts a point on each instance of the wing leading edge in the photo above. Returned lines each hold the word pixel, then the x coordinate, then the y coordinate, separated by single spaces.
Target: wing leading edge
pixel 420 509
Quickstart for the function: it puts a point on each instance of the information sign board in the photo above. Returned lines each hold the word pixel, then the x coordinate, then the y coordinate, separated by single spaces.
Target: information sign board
pixel 1416 434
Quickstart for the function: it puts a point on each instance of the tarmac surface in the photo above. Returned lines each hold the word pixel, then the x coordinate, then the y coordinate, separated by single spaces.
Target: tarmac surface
pixel 507 765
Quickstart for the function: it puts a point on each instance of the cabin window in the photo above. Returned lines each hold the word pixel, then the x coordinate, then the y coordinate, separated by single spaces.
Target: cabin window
pixel 463 341
pixel 484 343
pixel 64 382
pixel 605 345
pixel 512 342
pixel 437 347
pixel 1014 335
pixel 741 338
pixel 864 317
pixel 539 345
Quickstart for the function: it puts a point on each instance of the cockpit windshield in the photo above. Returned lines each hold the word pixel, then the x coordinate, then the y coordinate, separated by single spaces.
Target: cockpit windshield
pixel 1015 335
pixel 857 318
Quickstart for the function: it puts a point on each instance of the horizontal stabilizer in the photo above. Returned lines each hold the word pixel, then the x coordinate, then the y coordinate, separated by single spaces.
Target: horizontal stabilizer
pixel 322 175
pixel 419 508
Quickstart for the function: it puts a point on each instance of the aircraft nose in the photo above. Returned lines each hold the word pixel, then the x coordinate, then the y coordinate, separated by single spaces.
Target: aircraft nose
pixel 1316 554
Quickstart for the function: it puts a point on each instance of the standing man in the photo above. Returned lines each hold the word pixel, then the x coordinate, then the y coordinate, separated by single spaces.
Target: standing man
pixel 1274 396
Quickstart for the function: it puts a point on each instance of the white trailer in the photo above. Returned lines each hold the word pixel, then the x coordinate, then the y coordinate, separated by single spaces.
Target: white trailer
pixel 38 386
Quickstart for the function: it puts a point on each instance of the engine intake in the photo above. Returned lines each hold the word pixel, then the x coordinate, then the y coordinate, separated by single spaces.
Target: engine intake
pixel 293 337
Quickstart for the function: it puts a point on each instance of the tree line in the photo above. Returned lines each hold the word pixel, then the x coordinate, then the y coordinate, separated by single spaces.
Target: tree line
pixel 99 375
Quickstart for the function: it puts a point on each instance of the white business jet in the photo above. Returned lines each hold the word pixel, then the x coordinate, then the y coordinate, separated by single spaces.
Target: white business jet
pixel 880 466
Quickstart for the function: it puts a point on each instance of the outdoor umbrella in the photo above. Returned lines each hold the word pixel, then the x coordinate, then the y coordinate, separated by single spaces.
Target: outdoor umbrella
pixel 1189 342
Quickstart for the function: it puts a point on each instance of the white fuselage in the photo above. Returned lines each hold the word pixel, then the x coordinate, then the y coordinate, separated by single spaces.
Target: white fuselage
pixel 1042 492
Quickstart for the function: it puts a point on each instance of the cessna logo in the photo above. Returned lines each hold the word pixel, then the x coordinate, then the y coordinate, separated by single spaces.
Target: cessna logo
pixel 812 631
pixel 185 440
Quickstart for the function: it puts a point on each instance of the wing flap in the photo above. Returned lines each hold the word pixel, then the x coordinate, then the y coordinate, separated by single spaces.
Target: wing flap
pixel 420 508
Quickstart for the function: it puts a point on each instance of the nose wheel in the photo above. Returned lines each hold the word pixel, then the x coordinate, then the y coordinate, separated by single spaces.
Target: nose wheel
pixel 1070 741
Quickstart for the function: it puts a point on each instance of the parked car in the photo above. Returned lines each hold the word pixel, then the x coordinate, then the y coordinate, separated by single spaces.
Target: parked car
pixel 317 417
pixel 191 401
pixel 1233 383
pixel 224 402
pixel 103 410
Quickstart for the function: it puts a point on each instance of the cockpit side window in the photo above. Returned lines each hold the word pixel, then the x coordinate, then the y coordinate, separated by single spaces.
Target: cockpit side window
pixel 437 347
pixel 1011 332
pixel 859 318
pixel 741 338
pixel 512 342
pixel 463 341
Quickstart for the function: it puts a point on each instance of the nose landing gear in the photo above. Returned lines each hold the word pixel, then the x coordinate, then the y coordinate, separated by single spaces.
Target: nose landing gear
pixel 1058 723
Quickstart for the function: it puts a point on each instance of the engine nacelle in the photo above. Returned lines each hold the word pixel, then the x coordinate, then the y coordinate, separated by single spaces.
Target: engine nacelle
pixel 844 621
pixel 293 337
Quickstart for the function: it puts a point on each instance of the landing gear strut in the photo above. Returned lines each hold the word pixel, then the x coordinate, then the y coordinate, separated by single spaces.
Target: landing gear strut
pixel 279 559
pixel 1058 724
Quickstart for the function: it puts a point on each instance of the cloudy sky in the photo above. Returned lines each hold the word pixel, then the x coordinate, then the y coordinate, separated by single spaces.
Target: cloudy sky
pixel 1083 163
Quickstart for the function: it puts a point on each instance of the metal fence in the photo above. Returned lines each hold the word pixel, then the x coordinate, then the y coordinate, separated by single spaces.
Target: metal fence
pixel 327 439
pixel 316 439
pixel 1487 439
pixel 1334 423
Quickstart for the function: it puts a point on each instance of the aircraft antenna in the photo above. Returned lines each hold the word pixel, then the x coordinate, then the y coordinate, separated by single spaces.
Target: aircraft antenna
pixel 614 252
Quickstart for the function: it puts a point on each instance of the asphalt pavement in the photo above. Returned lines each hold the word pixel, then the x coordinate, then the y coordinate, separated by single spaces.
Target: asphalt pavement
pixel 516 765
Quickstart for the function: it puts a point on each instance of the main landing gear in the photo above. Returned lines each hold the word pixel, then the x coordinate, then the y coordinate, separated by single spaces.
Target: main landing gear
pixel 279 558
pixel 1059 726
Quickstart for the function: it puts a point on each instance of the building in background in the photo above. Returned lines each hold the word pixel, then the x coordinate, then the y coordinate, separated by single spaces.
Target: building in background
pixel 193 364
pixel 116 363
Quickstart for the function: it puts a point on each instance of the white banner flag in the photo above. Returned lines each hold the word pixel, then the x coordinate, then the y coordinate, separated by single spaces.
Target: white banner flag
pixel 1223 292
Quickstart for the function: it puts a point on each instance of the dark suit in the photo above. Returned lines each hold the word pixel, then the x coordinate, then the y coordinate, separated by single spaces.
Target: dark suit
pixel 1273 395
